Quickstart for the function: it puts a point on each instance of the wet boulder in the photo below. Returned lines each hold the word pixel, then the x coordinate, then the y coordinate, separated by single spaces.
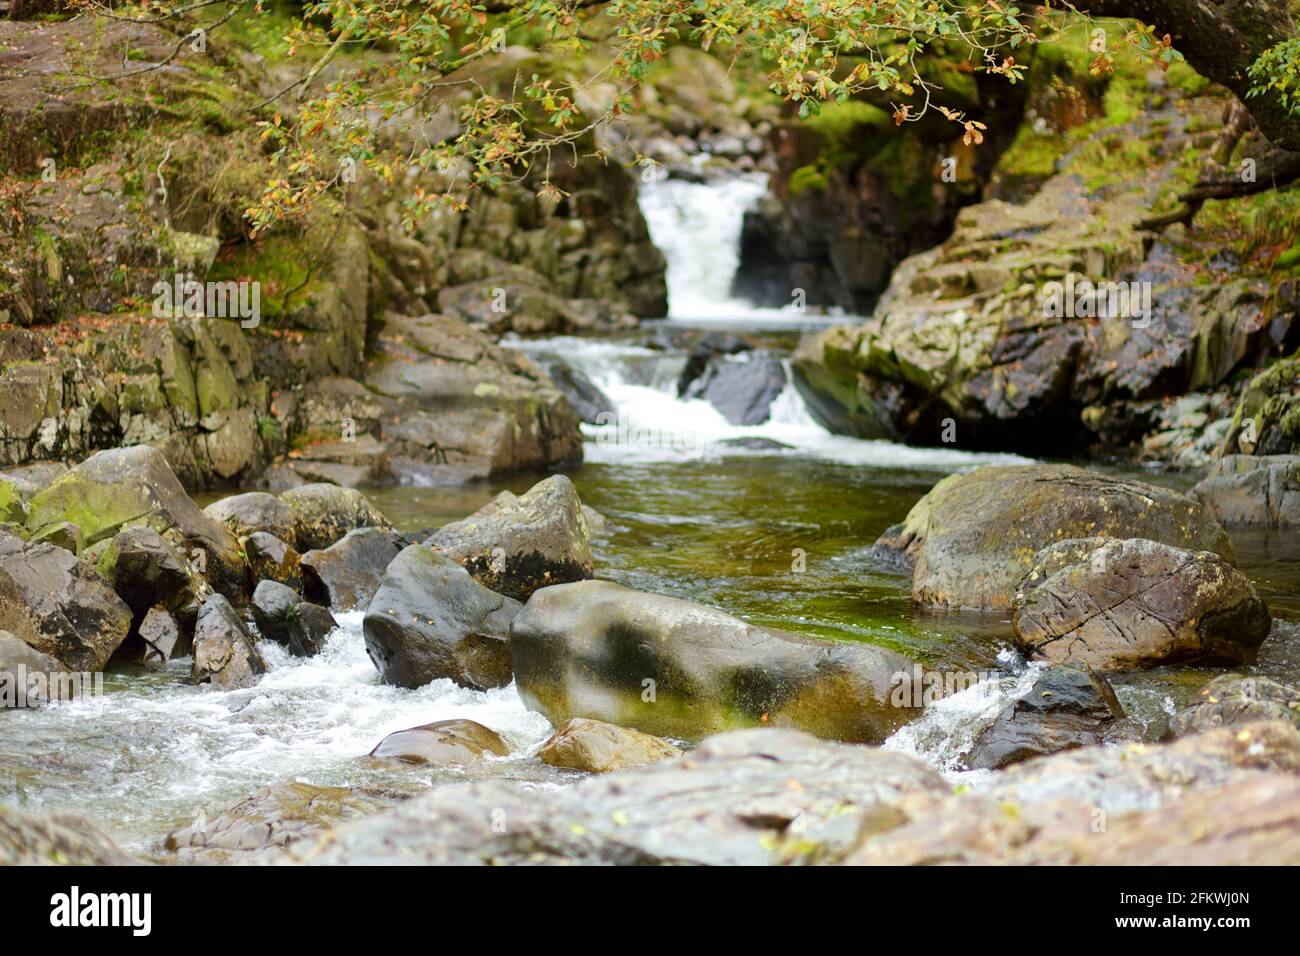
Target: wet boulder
pixel 741 389
pixel 582 393
pixel 1231 700
pixel 61 838
pixel 19 661
pixel 1250 491
pixel 270 559
pixel 322 514
pixel 347 573
pixel 284 617
pixel 58 604
pixel 126 487
pixel 539 539
pixel 251 512
pixel 1115 604
pixel 974 536
pixel 442 743
pixel 430 619
pixel 160 638
pixel 225 654
pixel 594 746
pixel 683 670
pixel 1065 707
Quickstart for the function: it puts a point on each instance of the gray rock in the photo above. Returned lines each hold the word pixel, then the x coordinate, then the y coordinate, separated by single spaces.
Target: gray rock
pixel 270 559
pixel 430 619
pixel 743 391
pixel 1136 603
pixel 57 840
pixel 224 652
pixel 322 514
pixel 147 571
pixel 538 540
pixel 57 604
pixel 284 617
pixel 347 573
pixel 677 669
pixel 161 638
pixel 1231 700
pixel 1249 491
pixel 974 536
pixel 252 512
pixel 1065 708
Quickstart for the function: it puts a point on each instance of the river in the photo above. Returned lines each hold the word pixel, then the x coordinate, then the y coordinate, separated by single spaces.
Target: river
pixel 777 535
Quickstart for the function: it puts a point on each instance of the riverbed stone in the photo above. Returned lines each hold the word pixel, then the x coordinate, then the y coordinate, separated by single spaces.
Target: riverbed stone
pixel 281 615
pixel 1115 604
pixel 1065 707
pixel 161 638
pixel 225 654
pixel 346 575
pixel 430 619
pixel 271 559
pixel 974 536
pixel 678 669
pixel 1254 492
pixel 595 746
pixel 251 512
pixel 442 743
pixel 1232 700
pixel 322 514
pixel 126 487
pixel 539 539
pixel 59 605
pixel 147 571
pixel 61 839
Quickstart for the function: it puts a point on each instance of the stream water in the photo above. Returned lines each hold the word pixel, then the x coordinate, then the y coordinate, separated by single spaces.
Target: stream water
pixel 692 515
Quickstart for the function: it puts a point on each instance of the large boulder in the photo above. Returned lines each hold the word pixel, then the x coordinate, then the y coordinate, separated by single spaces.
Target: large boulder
pixel 56 603
pixel 251 512
pixel 974 536
pixel 683 670
pixel 594 746
pixel 321 514
pixel 225 654
pixel 147 571
pixel 1250 491
pixel 124 487
pixel 442 743
pixel 430 619
pixel 28 678
pixel 347 573
pixel 1065 707
pixel 1117 604
pixel 742 390
pixel 1231 700
pixel 539 539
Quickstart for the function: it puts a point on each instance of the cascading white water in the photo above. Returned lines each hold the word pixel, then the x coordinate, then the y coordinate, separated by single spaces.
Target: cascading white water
pixel 697 227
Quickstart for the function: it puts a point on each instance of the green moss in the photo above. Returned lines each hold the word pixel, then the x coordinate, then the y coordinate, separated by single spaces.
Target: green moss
pixel 805 178
pixel 280 264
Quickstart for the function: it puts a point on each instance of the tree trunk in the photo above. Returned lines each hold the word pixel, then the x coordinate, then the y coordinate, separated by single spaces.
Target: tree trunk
pixel 1221 39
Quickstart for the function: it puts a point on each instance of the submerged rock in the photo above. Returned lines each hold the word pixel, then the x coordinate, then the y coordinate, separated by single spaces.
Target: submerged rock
pixel 1249 491
pixel 322 514
pixel 258 828
pixel 60 839
pixel 1231 700
pixel 57 604
pixel 539 539
pixel 974 536
pixel 683 670
pixel 126 487
pixel 224 652
pixel 1116 604
pixel 346 575
pixel 430 619
pixel 442 743
pixel 1066 707
pixel 594 746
